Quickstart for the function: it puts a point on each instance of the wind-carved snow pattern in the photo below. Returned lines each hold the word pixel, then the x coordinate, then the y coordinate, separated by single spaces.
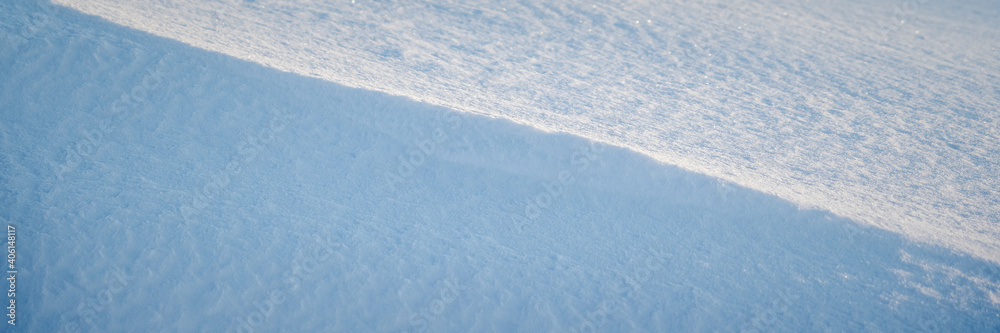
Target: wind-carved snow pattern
pixel 236 197
pixel 880 111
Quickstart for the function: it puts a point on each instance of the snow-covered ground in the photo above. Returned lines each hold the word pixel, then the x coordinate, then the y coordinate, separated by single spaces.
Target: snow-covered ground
pixel 829 104
pixel 306 166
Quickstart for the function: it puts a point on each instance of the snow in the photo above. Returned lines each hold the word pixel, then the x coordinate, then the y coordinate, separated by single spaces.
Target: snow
pixel 236 166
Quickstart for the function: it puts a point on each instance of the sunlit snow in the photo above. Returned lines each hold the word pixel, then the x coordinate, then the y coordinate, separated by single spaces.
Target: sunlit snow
pixel 355 166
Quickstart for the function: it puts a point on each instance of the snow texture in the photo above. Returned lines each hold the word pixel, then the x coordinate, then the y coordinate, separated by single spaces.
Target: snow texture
pixel 884 112
pixel 354 166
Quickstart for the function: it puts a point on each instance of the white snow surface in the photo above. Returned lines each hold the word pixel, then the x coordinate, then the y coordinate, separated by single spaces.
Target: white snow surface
pixel 355 166
pixel 829 104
